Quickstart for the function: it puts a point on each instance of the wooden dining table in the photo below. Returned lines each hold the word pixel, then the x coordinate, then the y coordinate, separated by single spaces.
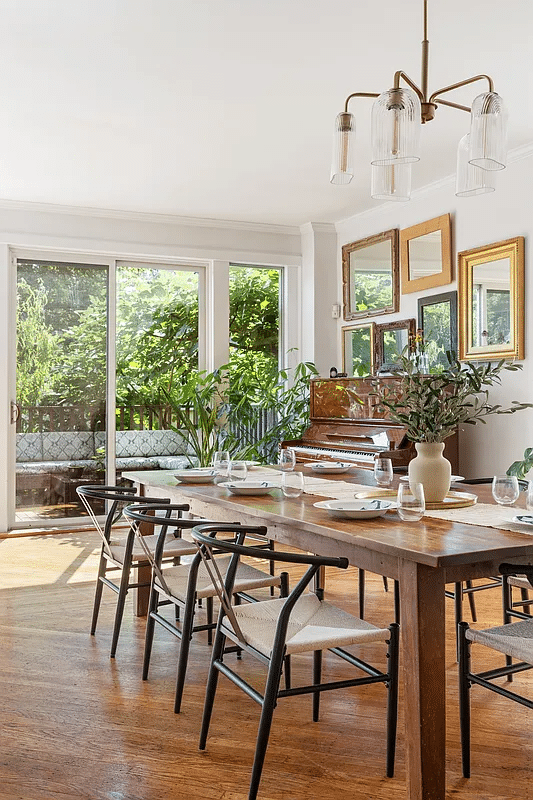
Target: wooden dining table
pixel 422 556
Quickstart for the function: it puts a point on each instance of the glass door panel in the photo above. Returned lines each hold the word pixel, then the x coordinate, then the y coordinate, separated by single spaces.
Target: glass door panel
pixel 61 386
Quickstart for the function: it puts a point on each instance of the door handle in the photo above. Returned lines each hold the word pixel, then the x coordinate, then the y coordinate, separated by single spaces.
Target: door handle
pixel 15 412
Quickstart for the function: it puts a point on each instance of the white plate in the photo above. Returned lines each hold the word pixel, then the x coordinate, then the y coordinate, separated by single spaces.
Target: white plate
pixel 524 519
pixel 453 478
pixel 248 487
pixel 356 509
pixel 334 467
pixel 201 475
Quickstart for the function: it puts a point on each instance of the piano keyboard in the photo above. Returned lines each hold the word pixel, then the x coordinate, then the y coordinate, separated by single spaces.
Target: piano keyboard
pixel 336 455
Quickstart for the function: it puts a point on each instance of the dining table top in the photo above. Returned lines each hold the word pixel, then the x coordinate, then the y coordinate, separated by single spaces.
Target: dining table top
pixel 435 542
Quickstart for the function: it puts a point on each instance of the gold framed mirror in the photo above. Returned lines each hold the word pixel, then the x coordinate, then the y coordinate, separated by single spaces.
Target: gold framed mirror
pixel 371 276
pixel 426 255
pixel 491 301
pixel 391 339
pixel 358 350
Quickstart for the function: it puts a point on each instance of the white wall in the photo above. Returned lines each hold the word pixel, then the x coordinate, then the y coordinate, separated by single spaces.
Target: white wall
pixel 476 221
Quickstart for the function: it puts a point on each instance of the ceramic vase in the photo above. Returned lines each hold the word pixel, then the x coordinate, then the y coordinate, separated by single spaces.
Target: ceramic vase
pixel 432 470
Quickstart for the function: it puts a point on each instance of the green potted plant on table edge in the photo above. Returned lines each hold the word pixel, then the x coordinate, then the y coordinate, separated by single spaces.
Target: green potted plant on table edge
pixel 430 407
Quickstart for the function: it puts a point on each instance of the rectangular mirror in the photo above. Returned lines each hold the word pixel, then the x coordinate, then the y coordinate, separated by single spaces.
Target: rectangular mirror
pixel 370 276
pixel 358 350
pixel 437 321
pixel 491 301
pixel 426 255
pixel 391 339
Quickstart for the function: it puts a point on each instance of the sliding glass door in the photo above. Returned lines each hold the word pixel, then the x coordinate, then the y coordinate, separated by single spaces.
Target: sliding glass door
pixel 101 351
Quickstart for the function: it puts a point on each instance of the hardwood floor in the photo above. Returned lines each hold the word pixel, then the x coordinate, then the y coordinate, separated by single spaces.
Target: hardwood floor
pixel 76 725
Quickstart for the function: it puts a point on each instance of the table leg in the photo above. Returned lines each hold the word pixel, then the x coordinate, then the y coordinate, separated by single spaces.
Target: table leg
pixel 423 657
pixel 141 595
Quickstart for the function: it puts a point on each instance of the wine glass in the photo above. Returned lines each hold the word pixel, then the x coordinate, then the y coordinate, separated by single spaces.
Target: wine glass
pixel 287 459
pixel 292 483
pixel 505 489
pixel 237 470
pixel 383 471
pixel 221 463
pixel 411 501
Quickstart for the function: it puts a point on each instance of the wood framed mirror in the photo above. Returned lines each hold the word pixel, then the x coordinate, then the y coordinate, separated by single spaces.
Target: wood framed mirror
pixel 358 350
pixel 491 301
pixel 426 255
pixel 391 339
pixel 371 276
pixel 437 320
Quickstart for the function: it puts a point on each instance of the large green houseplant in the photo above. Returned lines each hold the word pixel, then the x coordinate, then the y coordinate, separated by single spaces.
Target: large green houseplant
pixel 430 407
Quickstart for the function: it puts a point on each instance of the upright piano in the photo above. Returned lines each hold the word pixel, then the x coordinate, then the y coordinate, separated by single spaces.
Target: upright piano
pixel 346 425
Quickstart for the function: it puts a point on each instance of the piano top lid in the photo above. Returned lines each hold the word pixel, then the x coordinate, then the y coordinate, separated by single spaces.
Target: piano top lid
pixel 347 400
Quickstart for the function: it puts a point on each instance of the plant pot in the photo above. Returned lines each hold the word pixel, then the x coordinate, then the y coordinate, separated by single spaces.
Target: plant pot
pixel 432 470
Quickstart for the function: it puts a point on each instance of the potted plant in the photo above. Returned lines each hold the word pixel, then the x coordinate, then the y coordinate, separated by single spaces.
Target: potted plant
pixel 430 407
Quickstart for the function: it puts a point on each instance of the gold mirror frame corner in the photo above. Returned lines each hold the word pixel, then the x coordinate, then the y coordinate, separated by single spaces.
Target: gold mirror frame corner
pixel 467 260
pixel 354 316
pixel 442 278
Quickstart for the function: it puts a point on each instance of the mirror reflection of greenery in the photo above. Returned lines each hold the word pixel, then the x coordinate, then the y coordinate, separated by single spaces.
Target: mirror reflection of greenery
pixel 436 333
pixel 360 348
pixel 371 290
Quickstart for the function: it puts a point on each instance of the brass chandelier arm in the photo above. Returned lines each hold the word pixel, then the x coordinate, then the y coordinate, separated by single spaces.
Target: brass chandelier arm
pixel 358 94
pixel 396 85
pixel 454 105
pixel 453 86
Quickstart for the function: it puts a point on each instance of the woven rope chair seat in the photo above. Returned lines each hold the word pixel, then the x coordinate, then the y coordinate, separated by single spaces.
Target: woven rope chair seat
pixel 314 625
pixel 173 547
pixel 247 579
pixel 515 639
pixel 520 581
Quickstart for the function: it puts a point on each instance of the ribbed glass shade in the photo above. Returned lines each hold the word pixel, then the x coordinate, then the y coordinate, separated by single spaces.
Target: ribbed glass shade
pixel 391 182
pixel 488 132
pixel 396 127
pixel 471 180
pixel 343 148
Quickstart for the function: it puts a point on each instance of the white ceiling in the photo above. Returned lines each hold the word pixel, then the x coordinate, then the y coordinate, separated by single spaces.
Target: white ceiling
pixel 224 109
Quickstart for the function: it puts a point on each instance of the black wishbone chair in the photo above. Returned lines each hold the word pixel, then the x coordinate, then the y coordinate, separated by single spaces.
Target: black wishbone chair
pixel 185 585
pixel 120 552
pixel 272 630
pixel 514 640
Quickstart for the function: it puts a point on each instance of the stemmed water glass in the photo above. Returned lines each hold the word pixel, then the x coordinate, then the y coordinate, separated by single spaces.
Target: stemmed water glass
pixel 383 471
pixel 505 489
pixel 529 496
pixel 287 459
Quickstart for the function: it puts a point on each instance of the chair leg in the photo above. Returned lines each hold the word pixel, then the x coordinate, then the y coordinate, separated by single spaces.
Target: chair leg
pixel 209 614
pixel 507 600
pixel 524 595
pixel 119 613
pixel 263 733
pixel 98 593
pixel 284 592
pixel 186 636
pixel 211 688
pixel 464 696
pixel 272 568
pixel 149 635
pixel 397 602
pixel 317 677
pixel 392 696
pixel 361 586
pixel 471 601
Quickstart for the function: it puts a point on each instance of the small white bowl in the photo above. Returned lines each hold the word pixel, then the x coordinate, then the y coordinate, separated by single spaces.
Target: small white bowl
pixel 356 509
pixel 248 487
pixel 333 467
pixel 200 475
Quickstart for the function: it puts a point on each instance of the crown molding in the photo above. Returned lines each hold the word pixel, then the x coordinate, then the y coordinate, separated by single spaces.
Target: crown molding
pixel 148 217
pixel 517 154
pixel 318 227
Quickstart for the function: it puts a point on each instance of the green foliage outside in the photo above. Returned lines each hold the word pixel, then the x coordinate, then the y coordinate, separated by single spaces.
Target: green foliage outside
pixel 61 333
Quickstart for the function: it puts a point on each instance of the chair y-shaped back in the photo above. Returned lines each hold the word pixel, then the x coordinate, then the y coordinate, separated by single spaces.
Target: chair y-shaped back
pixel 271 630
pixel 184 584
pixel 119 551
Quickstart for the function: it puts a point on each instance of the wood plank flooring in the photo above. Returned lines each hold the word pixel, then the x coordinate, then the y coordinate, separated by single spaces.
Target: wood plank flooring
pixel 76 725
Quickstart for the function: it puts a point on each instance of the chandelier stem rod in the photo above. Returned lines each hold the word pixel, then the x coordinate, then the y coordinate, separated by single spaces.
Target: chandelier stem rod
pixel 358 94
pixel 425 54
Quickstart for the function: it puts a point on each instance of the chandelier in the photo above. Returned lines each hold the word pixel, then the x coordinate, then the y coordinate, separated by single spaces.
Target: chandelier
pixel 396 119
